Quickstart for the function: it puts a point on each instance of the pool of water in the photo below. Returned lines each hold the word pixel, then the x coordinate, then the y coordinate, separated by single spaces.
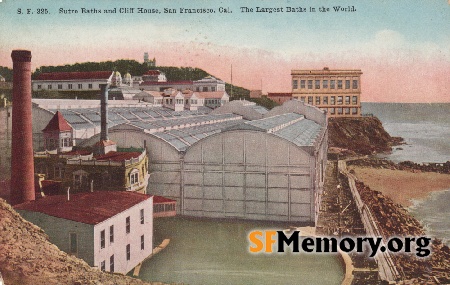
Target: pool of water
pixel 216 252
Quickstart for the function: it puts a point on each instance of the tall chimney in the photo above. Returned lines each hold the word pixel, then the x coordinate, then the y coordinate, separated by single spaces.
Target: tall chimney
pixel 104 112
pixel 22 164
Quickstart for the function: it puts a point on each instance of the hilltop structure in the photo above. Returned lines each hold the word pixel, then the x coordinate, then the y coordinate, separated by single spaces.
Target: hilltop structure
pixel 336 91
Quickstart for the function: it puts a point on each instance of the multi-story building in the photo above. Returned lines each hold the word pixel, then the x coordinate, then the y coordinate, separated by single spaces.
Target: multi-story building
pixel 72 81
pixel 336 91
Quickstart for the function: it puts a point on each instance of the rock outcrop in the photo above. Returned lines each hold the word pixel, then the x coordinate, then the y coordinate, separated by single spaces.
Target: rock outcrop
pixel 363 135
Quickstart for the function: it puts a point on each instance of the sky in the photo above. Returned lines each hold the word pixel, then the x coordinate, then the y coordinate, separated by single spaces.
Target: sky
pixel 402 47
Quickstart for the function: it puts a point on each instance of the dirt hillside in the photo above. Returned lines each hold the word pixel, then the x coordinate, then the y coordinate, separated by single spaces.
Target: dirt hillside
pixel 27 257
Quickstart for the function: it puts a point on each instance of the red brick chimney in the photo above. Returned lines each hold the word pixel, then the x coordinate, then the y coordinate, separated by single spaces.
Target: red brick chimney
pixel 22 164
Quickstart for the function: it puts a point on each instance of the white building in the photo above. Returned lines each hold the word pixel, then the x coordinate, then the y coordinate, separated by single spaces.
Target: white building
pixel 110 230
pixel 72 81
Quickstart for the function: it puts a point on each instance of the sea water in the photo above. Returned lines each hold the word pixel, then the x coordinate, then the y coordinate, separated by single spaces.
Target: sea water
pixel 426 130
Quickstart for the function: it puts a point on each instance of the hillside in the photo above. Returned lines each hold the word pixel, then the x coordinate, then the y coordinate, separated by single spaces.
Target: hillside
pixel 363 135
pixel 27 257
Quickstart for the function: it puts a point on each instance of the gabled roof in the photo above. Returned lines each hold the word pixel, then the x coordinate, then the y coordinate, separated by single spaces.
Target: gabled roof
pixel 211 95
pixel 87 208
pixel 57 123
pixel 75 75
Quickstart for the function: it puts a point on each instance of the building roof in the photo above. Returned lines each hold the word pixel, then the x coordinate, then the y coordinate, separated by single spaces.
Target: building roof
pixel 211 95
pixel 279 95
pixel 168 83
pixel 87 208
pixel 57 123
pixel 75 75
pixel 161 199
pixel 152 72
pixel 118 156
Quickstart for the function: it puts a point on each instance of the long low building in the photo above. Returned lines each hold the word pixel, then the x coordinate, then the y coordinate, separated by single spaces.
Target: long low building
pixel 226 166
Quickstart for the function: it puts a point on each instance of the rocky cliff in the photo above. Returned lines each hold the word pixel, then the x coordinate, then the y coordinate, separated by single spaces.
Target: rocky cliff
pixel 364 135
pixel 27 257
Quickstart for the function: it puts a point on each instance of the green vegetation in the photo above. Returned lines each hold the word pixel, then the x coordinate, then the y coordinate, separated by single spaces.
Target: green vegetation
pixel 6 72
pixel 265 102
pixel 237 93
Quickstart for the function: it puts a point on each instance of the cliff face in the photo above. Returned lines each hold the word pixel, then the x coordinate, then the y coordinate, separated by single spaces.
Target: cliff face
pixel 364 135
pixel 27 257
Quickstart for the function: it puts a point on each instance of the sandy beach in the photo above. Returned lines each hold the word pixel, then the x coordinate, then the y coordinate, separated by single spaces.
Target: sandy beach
pixel 402 186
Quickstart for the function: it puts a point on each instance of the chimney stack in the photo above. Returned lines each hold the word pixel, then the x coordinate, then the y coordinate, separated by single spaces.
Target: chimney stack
pixel 104 112
pixel 22 159
pixel 104 145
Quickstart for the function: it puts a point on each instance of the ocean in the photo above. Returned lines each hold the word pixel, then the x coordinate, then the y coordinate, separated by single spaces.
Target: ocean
pixel 426 130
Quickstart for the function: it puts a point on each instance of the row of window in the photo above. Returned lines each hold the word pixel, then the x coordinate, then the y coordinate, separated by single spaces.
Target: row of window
pixel 157 208
pixel 70 86
pixel 111 229
pixel 325 84
pixel 205 89
pixel 55 143
pixel 343 111
pixel 323 100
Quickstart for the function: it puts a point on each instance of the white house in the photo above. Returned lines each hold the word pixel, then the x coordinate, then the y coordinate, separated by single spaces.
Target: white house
pixel 112 230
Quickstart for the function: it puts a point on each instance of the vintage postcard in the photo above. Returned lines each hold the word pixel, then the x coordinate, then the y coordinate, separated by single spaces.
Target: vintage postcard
pixel 224 142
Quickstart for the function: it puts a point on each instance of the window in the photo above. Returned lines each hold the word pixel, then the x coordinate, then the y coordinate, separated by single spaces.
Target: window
pixel 294 84
pixel 347 84
pixel 302 99
pixel 128 252
pixel 49 87
pixel 347 111
pixel 102 266
pixel 332 84
pixel 325 84
pixel 70 86
pixel 213 89
pixel 73 243
pixel 310 100
pixel 111 263
pixel 310 84
pixel 317 100
pixel 142 216
pixel 142 242
pixel 347 100
pixel 80 86
pixel 302 84
pixel 325 100
pixel 59 86
pixel 355 84
pixel 317 84
pixel 332 100
pixel 134 176
pixel 65 142
pixel 111 234
pixel 205 89
pixel 39 86
pixel 355 100
pixel 59 171
pixel 90 85
pixel 127 225
pixel 354 111
pixel 339 100
pixel 197 89
pixel 339 84
pixel 332 111
pixel 102 239
pixel 339 111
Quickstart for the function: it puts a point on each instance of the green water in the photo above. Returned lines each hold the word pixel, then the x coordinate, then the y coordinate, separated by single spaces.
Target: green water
pixel 216 252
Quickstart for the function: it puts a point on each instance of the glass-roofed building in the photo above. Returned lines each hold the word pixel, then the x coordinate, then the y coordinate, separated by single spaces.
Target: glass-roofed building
pixel 237 161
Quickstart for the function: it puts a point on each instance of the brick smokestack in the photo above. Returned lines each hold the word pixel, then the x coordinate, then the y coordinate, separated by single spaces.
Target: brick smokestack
pixel 104 112
pixel 22 164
